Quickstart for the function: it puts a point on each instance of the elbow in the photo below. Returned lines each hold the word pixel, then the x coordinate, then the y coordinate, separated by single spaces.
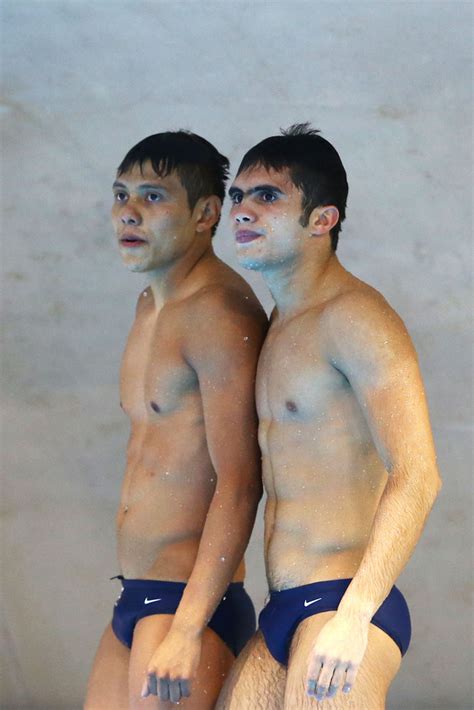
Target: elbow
pixel 437 485
pixel 432 488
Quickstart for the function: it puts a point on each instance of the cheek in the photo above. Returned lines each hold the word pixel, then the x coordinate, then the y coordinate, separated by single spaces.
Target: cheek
pixel 282 229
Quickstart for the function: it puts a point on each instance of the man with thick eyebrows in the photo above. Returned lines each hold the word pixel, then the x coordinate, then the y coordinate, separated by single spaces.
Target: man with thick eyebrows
pixel 349 465
pixel 192 480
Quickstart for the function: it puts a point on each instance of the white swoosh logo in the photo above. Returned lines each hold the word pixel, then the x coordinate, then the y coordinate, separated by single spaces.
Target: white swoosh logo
pixel 149 601
pixel 312 601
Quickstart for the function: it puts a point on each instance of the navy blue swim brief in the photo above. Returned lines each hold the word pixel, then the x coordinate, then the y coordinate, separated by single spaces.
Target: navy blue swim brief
pixel 279 619
pixel 233 621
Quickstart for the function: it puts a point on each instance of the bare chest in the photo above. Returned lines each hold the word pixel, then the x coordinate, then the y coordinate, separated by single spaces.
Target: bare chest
pixel 155 376
pixel 295 379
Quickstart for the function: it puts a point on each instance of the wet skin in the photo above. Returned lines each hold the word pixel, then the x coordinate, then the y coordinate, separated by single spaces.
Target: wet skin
pixel 189 493
pixel 348 458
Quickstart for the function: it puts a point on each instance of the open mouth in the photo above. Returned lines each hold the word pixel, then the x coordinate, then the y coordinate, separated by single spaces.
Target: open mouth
pixel 242 236
pixel 132 241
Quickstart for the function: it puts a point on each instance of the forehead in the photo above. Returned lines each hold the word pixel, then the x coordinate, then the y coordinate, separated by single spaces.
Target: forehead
pixel 137 175
pixel 260 175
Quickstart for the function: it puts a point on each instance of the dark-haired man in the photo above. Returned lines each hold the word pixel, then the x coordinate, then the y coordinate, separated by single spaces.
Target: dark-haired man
pixel 192 481
pixel 349 465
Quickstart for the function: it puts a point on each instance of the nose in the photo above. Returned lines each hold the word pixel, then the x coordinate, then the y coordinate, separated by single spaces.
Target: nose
pixel 130 219
pixel 130 216
pixel 242 218
pixel 243 214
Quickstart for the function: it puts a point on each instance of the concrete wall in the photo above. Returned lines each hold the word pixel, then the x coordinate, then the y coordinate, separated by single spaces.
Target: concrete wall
pixel 389 84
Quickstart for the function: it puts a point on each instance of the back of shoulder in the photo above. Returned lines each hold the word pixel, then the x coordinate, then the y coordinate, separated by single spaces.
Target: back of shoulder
pixel 219 300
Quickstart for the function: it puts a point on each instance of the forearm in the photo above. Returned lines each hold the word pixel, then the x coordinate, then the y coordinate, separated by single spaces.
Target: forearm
pixel 225 536
pixel 399 521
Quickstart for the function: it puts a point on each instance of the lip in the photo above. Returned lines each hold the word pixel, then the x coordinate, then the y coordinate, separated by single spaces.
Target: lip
pixel 242 236
pixel 132 240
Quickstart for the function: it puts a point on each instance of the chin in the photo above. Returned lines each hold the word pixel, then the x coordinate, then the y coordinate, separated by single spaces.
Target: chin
pixel 136 268
pixel 253 263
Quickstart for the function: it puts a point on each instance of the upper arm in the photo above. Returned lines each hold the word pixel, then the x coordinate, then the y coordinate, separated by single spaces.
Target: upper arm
pixel 370 344
pixel 223 349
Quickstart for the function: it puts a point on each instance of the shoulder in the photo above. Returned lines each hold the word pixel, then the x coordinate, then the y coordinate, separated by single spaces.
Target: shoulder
pixel 223 326
pixel 231 305
pixel 361 324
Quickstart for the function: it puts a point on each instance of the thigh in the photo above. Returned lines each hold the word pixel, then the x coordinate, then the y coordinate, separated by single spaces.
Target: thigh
pixel 216 659
pixel 377 670
pixel 256 680
pixel 107 688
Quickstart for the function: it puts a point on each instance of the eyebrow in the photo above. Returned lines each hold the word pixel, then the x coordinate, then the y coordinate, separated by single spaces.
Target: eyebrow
pixel 144 186
pixel 258 188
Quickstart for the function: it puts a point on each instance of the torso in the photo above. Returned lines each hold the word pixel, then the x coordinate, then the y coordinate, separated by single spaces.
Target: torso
pixel 321 472
pixel 169 479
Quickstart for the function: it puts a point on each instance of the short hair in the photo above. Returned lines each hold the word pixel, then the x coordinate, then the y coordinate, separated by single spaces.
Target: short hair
pixel 201 169
pixel 314 165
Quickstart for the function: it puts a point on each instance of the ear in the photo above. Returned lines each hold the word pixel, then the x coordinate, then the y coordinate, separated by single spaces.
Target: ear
pixel 208 211
pixel 322 220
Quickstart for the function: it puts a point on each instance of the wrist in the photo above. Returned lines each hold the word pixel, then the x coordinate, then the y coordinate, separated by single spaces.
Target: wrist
pixel 187 627
pixel 355 611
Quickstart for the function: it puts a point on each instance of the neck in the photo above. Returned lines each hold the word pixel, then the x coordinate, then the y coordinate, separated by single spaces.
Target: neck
pixel 171 279
pixel 303 283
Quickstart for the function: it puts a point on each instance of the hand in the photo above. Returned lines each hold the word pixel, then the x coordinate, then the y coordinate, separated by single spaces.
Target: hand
pixel 173 666
pixel 336 656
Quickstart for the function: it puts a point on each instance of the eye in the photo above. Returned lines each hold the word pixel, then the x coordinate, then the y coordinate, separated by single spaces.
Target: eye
pixel 268 196
pixel 153 197
pixel 236 198
pixel 120 196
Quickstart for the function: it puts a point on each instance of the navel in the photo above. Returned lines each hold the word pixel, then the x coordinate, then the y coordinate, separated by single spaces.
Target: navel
pixel 291 406
pixel 155 407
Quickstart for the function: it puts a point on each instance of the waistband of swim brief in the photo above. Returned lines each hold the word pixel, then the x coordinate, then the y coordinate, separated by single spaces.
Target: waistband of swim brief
pixel 137 583
pixel 326 585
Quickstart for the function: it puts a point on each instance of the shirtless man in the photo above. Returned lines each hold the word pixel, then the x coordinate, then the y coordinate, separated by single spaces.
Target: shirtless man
pixel 192 481
pixel 349 465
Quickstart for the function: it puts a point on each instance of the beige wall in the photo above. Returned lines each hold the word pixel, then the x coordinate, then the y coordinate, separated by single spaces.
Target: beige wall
pixel 389 84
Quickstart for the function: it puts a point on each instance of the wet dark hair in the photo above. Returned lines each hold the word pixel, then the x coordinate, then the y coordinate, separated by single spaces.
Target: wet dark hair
pixel 202 170
pixel 314 165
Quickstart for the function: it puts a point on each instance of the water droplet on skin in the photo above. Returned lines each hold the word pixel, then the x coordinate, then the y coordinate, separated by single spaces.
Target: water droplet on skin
pixel 246 337
pixel 145 293
pixel 222 559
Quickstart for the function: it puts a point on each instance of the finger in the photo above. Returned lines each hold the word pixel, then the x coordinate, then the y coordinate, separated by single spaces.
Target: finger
pixel 185 688
pixel 325 678
pixel 351 674
pixel 337 679
pixel 164 689
pixel 175 691
pixel 314 669
pixel 311 686
pixel 149 686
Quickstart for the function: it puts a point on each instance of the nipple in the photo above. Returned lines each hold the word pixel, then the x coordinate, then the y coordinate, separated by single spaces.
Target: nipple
pixel 291 406
pixel 155 407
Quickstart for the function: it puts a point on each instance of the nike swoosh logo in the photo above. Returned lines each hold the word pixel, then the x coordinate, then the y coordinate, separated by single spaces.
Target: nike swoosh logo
pixel 312 601
pixel 149 601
